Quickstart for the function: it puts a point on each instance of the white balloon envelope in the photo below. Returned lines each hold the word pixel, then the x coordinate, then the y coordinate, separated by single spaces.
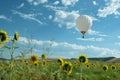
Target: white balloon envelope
pixel 83 23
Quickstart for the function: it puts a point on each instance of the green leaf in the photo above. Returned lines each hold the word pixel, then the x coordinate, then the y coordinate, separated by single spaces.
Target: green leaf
pixel 15 47
pixel 7 47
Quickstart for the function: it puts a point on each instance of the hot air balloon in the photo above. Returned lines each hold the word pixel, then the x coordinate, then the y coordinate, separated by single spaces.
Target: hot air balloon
pixel 83 23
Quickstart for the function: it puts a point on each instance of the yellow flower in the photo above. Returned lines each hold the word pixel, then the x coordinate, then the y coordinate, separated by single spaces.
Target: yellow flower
pixel 36 63
pixel 16 36
pixel 67 67
pixel 44 62
pixel 34 58
pixel 113 67
pixel 60 61
pixel 26 62
pixel 105 67
pixel 43 57
pixel 87 65
pixel 83 59
pixel 3 36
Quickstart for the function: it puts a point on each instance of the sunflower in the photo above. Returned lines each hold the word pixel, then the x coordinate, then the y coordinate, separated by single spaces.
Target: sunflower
pixel 75 64
pixel 87 66
pixel 60 61
pixel 34 58
pixel 16 36
pixel 67 67
pixel 3 36
pixel 113 67
pixel 105 67
pixel 83 59
pixel 94 65
pixel 26 62
pixel 43 57
pixel 36 63
pixel 44 62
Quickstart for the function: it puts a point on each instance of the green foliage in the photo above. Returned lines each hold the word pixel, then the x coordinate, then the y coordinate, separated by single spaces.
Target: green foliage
pixel 25 70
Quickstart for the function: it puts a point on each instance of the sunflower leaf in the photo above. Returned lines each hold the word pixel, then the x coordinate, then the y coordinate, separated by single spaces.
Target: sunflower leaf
pixel 7 47
pixel 15 47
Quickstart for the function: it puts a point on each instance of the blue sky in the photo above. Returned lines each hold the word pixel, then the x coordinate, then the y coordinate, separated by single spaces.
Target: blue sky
pixel 53 22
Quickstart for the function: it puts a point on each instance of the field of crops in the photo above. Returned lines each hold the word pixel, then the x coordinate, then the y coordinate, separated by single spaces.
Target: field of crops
pixel 39 67
pixel 55 70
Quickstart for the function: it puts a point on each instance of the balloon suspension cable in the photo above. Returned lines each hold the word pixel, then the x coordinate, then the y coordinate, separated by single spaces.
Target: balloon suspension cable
pixel 83 32
pixel 83 36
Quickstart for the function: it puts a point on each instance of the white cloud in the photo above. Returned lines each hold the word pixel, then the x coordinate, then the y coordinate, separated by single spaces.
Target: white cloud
pixel 117 43
pixel 24 40
pixel 93 18
pixel 94 3
pixel 20 6
pixel 111 7
pixel 50 17
pixel 54 8
pixel 118 37
pixel 66 18
pixel 28 16
pixel 69 2
pixel 65 49
pixel 4 17
pixel 56 2
pixel 104 51
pixel 92 32
pixel 91 39
pixel 37 2
pixel 36 42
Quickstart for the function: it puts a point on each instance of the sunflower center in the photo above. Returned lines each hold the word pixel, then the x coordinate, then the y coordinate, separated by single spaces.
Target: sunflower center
pixel 82 59
pixel 113 67
pixel 2 37
pixel 67 67
pixel 104 68
pixel 59 61
pixel 34 58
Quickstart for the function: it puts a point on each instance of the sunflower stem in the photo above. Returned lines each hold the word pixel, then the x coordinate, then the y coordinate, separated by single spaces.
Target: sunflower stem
pixel 81 72
pixel 12 50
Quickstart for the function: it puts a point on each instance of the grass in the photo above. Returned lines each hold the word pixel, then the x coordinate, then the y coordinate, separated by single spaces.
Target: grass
pixel 26 70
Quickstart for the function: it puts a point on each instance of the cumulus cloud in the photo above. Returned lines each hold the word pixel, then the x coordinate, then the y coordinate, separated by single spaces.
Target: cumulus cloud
pixel 118 37
pixel 54 8
pixel 69 2
pixel 36 42
pixel 93 18
pixel 94 3
pixel 92 32
pixel 65 49
pixel 4 18
pixel 37 2
pixel 66 18
pixel 111 7
pixel 28 16
pixel 20 6
pixel 91 39
pixel 50 17
pixel 117 43
pixel 56 2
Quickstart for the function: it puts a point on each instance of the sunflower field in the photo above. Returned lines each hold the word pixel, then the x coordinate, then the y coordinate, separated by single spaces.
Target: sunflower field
pixel 39 67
